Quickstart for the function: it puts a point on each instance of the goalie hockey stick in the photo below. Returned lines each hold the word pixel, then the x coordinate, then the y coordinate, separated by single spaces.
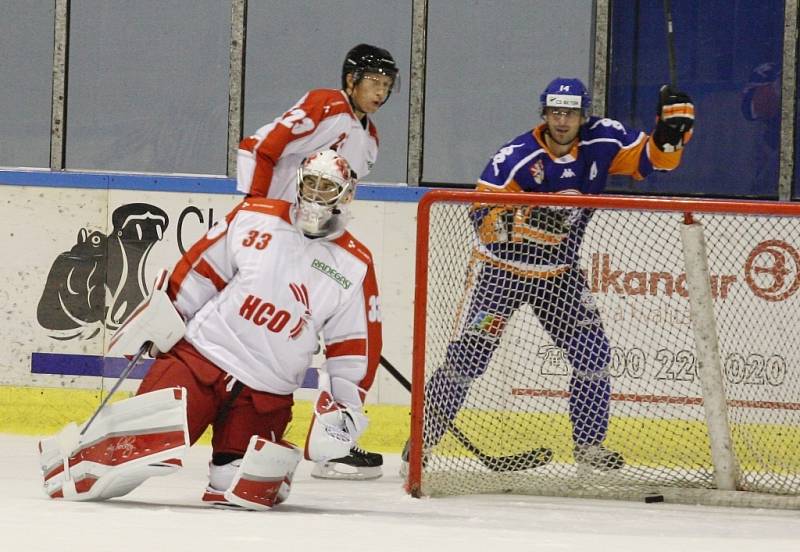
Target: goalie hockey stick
pixel 515 462
pixel 122 377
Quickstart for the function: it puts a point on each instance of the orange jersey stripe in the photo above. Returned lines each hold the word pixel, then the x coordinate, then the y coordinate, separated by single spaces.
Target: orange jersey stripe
pixel 662 159
pixel 626 161
pixel 512 186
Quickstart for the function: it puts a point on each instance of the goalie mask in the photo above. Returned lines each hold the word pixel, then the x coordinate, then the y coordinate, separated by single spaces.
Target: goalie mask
pixel 325 186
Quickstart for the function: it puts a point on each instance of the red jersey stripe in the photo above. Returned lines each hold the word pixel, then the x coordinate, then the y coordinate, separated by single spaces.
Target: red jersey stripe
pixel 349 347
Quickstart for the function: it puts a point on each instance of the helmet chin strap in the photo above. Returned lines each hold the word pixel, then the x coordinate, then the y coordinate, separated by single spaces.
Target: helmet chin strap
pixel 357 107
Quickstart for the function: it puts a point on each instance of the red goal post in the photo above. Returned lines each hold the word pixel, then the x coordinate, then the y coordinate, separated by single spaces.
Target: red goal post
pixel 695 347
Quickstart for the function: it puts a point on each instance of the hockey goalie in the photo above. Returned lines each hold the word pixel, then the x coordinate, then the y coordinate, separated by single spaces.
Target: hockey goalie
pixel 233 329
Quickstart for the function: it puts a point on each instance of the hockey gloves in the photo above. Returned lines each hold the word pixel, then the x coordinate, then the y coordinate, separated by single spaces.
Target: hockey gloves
pixel 674 121
pixel 337 420
pixel 155 321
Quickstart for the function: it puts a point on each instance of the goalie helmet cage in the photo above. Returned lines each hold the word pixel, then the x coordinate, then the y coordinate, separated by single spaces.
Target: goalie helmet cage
pixel 698 301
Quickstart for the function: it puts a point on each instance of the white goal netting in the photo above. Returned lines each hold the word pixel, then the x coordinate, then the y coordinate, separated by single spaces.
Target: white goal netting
pixel 567 331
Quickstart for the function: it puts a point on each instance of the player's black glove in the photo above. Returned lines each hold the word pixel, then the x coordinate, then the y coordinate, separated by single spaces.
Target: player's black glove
pixel 675 119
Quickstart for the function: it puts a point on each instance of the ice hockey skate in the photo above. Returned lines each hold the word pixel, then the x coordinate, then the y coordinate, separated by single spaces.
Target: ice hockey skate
pixel 404 459
pixel 358 465
pixel 597 457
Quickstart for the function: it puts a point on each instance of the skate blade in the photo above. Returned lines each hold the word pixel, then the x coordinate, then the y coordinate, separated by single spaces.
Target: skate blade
pixel 335 470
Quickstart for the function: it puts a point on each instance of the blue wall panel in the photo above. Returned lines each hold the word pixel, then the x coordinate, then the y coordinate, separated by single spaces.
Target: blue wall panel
pixel 729 60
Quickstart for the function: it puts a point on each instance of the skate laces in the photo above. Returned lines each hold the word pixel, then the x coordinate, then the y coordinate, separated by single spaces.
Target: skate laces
pixel 358 450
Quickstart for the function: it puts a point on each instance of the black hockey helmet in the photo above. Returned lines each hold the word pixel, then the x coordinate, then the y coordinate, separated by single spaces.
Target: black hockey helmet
pixel 366 58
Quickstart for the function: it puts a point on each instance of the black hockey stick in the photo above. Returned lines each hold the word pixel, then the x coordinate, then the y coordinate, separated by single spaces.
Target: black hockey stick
pixel 673 79
pixel 515 462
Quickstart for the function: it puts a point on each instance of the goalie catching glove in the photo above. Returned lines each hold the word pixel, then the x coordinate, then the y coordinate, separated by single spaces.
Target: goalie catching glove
pixel 336 423
pixel 155 321
pixel 675 119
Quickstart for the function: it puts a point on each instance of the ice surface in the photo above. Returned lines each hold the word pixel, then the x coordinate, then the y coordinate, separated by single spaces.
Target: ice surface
pixel 370 516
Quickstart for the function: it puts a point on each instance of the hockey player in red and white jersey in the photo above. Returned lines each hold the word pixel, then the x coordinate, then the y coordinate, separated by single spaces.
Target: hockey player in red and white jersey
pixel 257 292
pixel 321 119
pixel 324 119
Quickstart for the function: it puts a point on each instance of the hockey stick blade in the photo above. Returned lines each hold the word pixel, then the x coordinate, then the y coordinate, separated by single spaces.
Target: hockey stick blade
pixel 515 462
pixel 526 460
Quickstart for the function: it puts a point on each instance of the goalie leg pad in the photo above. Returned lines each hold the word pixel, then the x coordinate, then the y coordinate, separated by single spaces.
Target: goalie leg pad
pixel 264 477
pixel 128 442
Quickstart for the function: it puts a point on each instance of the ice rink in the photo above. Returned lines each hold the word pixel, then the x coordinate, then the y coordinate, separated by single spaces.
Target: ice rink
pixel 166 514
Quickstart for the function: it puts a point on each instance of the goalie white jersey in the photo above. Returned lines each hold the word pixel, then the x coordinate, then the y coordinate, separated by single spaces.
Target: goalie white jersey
pixel 257 293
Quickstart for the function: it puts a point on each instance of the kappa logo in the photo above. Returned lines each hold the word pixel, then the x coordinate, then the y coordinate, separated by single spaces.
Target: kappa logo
pixel 593 171
pixel 568 173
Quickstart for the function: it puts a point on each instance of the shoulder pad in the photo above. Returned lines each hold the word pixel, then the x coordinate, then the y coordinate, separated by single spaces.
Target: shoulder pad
pixel 347 242
pixel 603 127
pixel 329 100
pixel 274 207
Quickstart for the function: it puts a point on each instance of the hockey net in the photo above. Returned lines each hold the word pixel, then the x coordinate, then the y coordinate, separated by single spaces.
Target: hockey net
pixel 704 389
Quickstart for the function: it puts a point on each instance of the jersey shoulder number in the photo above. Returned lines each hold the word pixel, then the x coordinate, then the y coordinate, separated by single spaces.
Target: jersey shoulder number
pixel 297 121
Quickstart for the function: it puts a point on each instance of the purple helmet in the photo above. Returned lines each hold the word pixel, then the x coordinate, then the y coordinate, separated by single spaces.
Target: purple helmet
pixel 569 93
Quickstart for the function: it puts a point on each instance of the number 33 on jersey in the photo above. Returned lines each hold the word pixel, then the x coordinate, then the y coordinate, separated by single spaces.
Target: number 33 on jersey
pixel 257 293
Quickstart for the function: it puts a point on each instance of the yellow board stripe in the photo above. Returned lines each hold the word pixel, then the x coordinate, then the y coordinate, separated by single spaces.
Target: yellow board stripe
pixel 45 411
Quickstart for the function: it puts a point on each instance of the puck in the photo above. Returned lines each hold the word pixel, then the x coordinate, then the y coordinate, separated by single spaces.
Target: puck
pixel 654 498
